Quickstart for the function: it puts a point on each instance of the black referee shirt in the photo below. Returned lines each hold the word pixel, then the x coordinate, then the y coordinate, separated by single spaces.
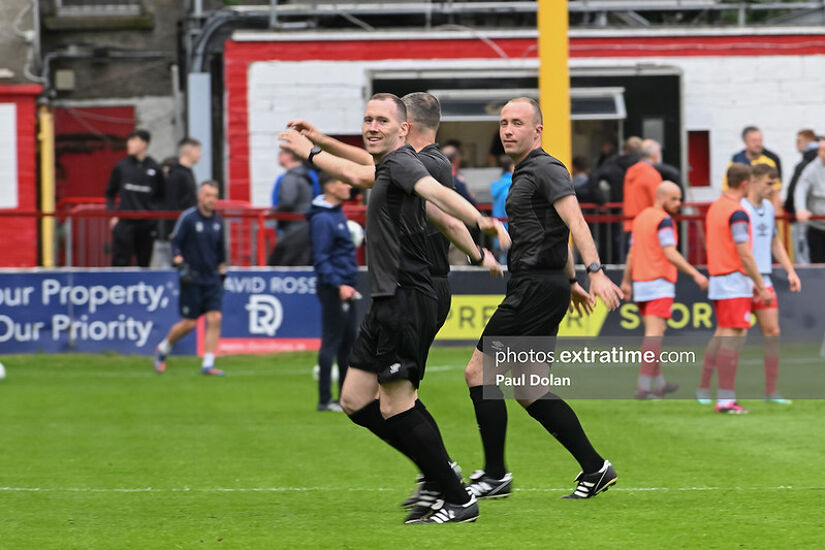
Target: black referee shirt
pixel 397 226
pixel 140 184
pixel 438 246
pixel 538 233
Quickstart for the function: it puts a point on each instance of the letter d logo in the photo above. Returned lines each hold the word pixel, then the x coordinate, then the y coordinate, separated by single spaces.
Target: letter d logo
pixel 265 314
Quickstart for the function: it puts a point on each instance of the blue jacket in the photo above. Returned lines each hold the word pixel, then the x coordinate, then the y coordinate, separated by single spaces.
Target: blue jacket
pixel 333 252
pixel 200 240
pixel 499 190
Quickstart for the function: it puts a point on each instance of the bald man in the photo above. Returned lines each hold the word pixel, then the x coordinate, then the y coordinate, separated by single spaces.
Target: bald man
pixel 652 263
pixel 542 214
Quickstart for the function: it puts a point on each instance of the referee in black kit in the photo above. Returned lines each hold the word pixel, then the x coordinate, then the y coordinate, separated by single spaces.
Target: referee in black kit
pixel 389 356
pixel 139 182
pixel 542 213
pixel 423 118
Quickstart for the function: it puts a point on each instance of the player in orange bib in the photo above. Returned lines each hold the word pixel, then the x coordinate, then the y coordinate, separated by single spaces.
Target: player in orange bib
pixel 734 279
pixel 650 277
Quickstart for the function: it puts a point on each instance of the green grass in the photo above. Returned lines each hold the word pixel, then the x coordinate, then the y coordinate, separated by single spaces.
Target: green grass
pixel 123 458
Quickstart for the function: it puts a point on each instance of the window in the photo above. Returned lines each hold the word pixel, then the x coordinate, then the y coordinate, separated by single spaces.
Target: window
pixel 68 8
pixel 478 105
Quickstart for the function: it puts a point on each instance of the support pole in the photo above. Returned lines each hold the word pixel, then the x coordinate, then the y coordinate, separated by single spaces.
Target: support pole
pixel 47 185
pixel 554 79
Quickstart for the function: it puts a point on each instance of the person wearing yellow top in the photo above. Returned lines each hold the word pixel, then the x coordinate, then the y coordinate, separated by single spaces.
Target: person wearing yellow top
pixel 755 153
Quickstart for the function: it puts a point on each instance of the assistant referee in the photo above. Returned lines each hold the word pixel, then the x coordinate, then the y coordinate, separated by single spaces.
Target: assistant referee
pixel 542 213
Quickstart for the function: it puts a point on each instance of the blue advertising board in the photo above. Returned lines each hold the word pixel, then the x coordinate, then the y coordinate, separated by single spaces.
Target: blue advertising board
pixel 130 311
pixel 268 310
pixel 89 311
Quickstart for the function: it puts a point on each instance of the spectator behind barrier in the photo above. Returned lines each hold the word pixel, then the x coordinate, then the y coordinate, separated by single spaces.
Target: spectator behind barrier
pixel 499 190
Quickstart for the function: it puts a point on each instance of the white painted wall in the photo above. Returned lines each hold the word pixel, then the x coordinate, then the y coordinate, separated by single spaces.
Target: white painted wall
pixel 779 94
pixel 330 94
pixel 157 114
pixel 8 155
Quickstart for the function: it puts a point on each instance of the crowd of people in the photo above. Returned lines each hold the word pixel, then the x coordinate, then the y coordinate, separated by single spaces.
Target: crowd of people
pixel 631 178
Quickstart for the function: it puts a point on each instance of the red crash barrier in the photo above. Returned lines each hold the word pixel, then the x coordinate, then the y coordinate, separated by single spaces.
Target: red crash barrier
pixel 84 231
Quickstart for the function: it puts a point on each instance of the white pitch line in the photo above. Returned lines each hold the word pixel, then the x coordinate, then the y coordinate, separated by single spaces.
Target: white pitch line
pixel 354 489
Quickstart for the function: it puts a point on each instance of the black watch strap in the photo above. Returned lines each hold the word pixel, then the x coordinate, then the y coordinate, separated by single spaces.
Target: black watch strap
pixel 594 267
pixel 480 259
pixel 572 280
pixel 312 152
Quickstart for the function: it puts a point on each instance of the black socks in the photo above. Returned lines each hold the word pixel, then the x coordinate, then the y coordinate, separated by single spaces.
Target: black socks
pixel 491 415
pixel 559 419
pixel 420 407
pixel 370 418
pixel 415 434
pixel 425 444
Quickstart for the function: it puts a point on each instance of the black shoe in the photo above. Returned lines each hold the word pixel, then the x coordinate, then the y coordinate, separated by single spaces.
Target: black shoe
pixel 428 494
pixel 412 500
pixel 447 512
pixel 483 486
pixel 591 485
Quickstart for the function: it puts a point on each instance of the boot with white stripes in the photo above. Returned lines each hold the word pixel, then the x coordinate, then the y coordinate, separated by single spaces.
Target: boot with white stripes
pixel 591 485
pixel 447 512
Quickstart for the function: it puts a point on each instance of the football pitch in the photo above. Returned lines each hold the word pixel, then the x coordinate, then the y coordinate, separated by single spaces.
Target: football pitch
pixel 98 451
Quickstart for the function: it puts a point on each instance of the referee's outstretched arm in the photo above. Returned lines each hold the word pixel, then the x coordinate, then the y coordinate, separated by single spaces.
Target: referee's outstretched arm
pixel 458 234
pixel 457 206
pixel 330 144
pixel 600 285
pixel 353 173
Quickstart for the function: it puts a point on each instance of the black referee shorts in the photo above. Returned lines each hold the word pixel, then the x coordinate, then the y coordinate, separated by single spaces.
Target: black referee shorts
pixel 395 336
pixel 442 290
pixel 535 304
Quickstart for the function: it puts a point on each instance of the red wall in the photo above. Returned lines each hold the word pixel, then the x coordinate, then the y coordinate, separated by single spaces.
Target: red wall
pixel 20 234
pixel 89 141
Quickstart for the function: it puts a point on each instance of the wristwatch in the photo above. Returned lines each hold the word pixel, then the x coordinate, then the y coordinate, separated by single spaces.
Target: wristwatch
pixel 312 152
pixel 594 267
pixel 572 281
pixel 480 260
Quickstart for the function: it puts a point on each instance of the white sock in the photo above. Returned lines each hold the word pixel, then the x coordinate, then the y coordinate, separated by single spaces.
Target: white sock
pixel 208 360
pixel 643 382
pixel 659 382
pixel 164 346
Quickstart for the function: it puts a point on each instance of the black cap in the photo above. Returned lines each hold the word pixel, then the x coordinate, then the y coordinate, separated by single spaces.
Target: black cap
pixel 142 134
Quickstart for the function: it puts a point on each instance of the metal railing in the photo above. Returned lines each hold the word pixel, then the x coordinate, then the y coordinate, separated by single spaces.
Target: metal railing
pixel 84 235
